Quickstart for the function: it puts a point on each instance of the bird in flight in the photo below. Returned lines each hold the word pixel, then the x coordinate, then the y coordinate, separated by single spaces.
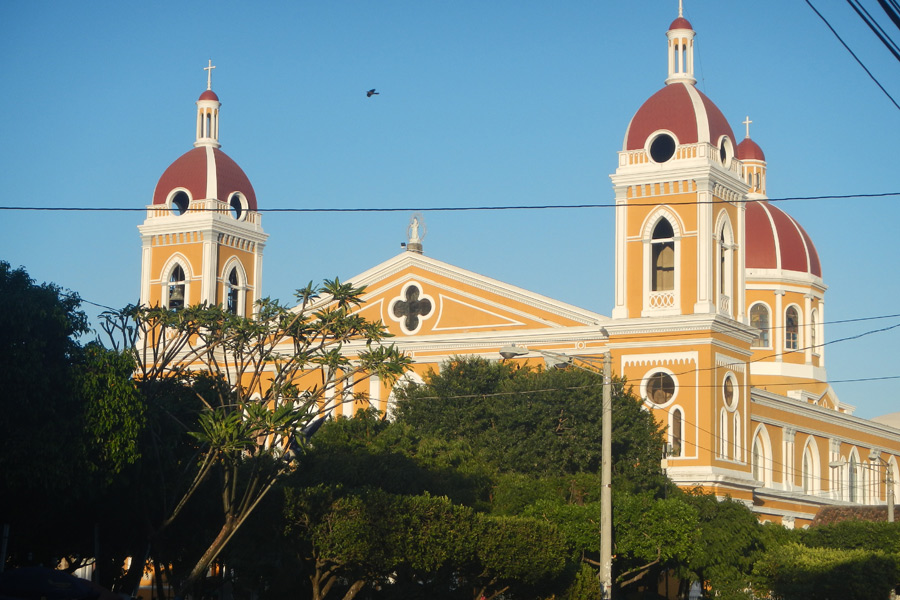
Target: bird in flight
pixel 371 93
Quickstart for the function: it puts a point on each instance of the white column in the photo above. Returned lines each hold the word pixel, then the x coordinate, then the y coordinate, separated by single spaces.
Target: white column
pixel 808 325
pixel 788 457
pixel 778 326
pixel 620 311
pixel 705 251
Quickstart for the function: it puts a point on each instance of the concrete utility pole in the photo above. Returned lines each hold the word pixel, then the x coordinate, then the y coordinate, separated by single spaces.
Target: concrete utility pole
pixel 606 482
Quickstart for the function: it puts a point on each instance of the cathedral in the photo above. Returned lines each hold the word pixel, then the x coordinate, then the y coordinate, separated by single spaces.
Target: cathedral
pixel 718 315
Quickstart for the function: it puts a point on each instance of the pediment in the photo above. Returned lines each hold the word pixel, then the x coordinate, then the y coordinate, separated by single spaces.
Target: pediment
pixel 415 295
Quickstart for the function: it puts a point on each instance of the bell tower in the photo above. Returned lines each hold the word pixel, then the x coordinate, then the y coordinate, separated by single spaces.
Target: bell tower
pixel 202 240
pixel 680 329
pixel 679 201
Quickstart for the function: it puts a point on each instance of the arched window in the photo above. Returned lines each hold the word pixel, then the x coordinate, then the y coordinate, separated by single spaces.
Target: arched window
pixel 233 293
pixel 853 479
pixel 756 460
pixel 813 323
pixel 759 318
pixel 807 472
pixel 791 328
pixel 663 257
pixel 176 291
pixel 676 432
pixel 737 437
pixel 723 434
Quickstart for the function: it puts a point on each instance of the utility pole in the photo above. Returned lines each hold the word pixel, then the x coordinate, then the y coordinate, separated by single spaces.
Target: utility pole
pixel 606 482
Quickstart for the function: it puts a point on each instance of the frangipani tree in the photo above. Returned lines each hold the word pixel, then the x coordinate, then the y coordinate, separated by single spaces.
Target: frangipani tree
pixel 258 381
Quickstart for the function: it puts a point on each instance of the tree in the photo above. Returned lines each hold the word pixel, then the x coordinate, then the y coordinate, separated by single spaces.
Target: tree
pixel 70 419
pixel 796 572
pixel 256 381
pixel 732 542
pixel 534 421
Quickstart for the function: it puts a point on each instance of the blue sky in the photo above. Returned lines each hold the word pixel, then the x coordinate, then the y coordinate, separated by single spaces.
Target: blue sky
pixel 481 104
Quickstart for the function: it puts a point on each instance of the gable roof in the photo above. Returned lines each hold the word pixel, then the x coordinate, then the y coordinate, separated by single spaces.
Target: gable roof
pixel 451 300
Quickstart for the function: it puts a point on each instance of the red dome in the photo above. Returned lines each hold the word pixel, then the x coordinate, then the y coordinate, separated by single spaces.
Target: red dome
pixel 680 23
pixel 749 150
pixel 682 109
pixel 206 172
pixel 209 95
pixel 776 241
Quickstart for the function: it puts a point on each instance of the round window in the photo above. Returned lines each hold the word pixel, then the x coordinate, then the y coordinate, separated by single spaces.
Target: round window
pixel 726 151
pixel 729 392
pixel 660 388
pixel 180 202
pixel 236 206
pixel 662 148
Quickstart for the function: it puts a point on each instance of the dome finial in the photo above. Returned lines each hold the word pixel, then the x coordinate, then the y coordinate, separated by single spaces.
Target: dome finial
pixel 208 70
pixel 681 50
pixel 747 122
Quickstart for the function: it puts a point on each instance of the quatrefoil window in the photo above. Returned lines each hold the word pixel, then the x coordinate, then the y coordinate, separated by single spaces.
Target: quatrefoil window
pixel 410 308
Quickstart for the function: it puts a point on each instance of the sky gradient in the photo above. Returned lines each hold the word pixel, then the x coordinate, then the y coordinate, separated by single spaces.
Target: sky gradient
pixel 502 103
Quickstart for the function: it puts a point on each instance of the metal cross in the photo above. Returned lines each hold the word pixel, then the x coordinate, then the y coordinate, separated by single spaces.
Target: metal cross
pixel 412 308
pixel 747 122
pixel 209 74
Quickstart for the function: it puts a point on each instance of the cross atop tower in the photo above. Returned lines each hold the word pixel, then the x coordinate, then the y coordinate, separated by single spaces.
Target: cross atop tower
pixel 209 74
pixel 680 8
pixel 747 122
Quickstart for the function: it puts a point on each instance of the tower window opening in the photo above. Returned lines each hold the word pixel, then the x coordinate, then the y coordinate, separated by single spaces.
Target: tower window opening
pixel 208 125
pixel 176 288
pixel 180 203
pixel 237 206
pixel 791 329
pixel 663 257
pixel 662 148
pixel 231 302
pixel 759 318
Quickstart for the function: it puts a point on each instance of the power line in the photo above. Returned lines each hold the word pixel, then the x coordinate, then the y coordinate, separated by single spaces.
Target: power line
pixel 869 73
pixel 452 208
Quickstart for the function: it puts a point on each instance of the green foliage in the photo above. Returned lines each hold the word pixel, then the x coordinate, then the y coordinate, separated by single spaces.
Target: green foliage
pixel 851 535
pixel 652 532
pixel 40 432
pixel 795 572
pixel 535 422
pixel 586 585
pixel 114 414
pixel 243 375
pixel 732 542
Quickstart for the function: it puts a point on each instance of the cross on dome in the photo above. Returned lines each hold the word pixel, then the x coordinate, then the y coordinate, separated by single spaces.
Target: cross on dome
pixel 209 74
pixel 747 122
pixel 680 8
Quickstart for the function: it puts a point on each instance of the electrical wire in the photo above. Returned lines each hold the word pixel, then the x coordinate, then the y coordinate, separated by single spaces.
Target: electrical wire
pixel 454 208
pixel 869 73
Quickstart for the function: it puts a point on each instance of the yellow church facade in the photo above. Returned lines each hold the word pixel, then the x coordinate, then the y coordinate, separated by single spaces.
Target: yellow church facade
pixel 717 322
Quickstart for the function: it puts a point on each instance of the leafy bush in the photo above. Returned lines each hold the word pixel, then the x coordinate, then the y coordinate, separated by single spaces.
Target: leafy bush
pixel 795 572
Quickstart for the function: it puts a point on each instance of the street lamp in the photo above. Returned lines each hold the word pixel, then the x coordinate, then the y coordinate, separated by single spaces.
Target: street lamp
pixel 888 482
pixel 555 359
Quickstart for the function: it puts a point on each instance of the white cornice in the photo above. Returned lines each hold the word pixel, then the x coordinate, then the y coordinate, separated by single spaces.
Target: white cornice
pixel 825 415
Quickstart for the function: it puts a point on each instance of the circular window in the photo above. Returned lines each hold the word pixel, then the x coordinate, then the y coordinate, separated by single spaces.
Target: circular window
pixel 180 202
pixel 729 392
pixel 659 388
pixel 237 205
pixel 726 150
pixel 662 148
